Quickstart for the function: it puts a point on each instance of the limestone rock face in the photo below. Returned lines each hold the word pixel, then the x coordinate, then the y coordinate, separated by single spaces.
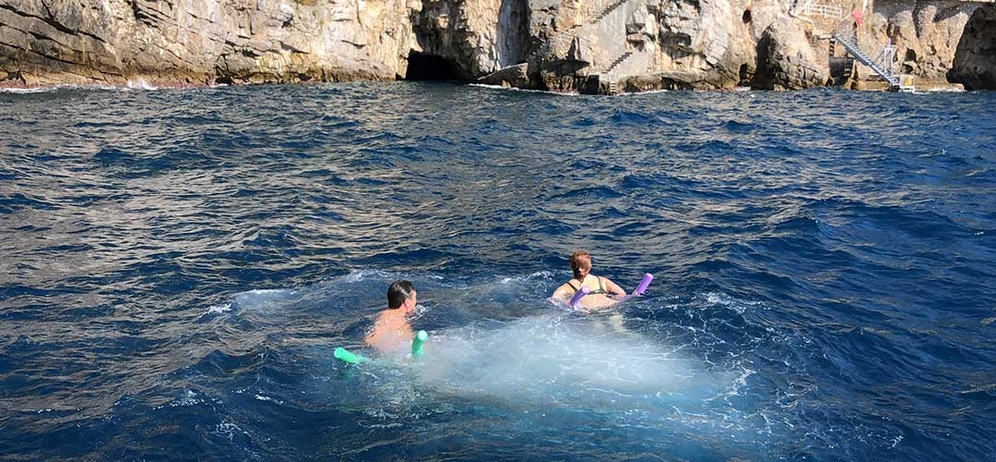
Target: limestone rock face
pixel 708 39
pixel 925 34
pixel 560 45
pixel 788 61
pixel 649 44
pixel 202 41
pixel 558 53
pixel 975 60
pixel 464 33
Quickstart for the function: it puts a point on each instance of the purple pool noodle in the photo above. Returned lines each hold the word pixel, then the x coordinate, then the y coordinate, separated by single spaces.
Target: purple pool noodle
pixel 640 289
pixel 578 296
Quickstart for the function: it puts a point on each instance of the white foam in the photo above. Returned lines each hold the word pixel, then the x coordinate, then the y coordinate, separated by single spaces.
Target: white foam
pixel 139 84
pixel 740 306
pixel 540 275
pixel 264 298
pixel 941 90
pixel 267 398
pixel 55 88
pixel 639 93
pixel 228 430
pixel 267 291
pixel 189 398
pixel 357 276
pixel 218 309
pixel 525 90
pixel 559 357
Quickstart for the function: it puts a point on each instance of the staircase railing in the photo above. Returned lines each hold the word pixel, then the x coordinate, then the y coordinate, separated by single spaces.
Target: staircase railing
pixel 884 71
pixel 818 9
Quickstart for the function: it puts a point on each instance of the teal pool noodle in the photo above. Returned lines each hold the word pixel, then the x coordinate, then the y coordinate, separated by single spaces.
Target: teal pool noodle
pixel 347 356
pixel 420 338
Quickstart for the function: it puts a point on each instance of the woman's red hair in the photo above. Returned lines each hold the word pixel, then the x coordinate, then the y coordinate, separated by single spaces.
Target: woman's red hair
pixel 580 264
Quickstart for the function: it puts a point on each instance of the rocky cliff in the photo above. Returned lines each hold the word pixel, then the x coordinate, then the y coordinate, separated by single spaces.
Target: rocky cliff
pixel 566 45
pixel 927 36
pixel 202 41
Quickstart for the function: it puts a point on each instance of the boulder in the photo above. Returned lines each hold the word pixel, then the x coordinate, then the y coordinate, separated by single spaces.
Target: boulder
pixel 975 59
pixel 513 76
pixel 786 61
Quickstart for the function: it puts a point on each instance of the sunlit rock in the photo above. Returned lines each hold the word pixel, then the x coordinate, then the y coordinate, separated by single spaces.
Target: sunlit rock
pixel 559 45
pixel 788 62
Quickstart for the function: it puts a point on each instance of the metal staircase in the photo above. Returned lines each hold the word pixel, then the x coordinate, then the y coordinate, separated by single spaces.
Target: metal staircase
pixel 884 72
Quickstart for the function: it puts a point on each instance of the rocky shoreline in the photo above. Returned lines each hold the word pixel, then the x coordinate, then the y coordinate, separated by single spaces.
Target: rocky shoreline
pixel 600 46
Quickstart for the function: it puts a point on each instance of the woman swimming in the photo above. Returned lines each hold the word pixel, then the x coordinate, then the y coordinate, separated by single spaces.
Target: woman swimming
pixel 603 292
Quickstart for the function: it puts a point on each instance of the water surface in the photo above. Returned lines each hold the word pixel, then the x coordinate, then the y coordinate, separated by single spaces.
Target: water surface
pixel 178 265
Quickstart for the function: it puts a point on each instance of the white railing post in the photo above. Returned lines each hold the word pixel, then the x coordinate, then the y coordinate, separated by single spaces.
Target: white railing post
pixel 887 55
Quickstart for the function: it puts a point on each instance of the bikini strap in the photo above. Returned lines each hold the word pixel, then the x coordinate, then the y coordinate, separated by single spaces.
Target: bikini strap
pixel 572 286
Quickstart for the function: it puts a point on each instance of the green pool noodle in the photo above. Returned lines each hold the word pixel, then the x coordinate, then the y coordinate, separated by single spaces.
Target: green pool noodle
pixel 417 343
pixel 349 357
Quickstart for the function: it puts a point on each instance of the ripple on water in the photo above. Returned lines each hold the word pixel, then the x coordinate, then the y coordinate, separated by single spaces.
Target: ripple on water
pixel 179 265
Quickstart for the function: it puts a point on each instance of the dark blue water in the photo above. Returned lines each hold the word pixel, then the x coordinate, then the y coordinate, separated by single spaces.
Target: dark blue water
pixel 177 267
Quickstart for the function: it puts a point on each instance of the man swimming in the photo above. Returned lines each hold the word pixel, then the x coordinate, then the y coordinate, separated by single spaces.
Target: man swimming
pixel 392 333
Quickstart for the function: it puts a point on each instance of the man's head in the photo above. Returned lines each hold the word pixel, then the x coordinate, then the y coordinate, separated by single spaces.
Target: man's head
pixel 399 292
pixel 580 264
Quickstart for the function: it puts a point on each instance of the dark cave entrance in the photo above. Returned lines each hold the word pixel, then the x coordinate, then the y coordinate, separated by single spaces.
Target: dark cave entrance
pixel 424 67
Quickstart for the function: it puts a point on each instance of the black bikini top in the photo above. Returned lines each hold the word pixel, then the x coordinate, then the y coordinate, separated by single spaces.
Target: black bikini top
pixel 599 291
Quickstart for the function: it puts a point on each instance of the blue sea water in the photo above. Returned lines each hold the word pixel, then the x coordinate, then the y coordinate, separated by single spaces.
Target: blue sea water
pixel 177 267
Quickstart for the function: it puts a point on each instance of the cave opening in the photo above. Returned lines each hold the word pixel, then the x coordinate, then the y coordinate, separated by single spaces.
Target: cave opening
pixel 746 75
pixel 426 67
